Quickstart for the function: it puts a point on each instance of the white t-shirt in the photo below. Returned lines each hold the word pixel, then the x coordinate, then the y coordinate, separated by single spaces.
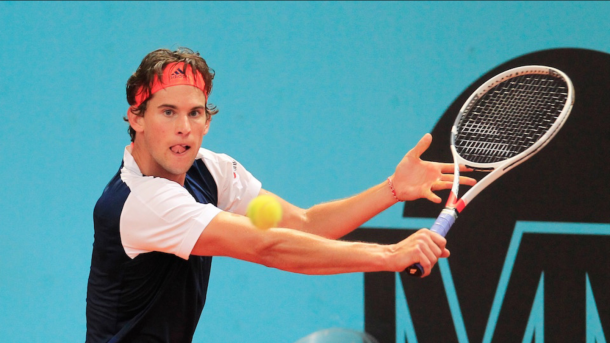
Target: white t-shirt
pixel 161 215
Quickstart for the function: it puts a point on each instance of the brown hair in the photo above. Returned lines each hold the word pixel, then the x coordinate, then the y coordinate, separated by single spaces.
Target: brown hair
pixel 152 65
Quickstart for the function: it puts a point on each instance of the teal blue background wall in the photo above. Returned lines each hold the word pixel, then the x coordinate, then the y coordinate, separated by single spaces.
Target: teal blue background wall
pixel 319 100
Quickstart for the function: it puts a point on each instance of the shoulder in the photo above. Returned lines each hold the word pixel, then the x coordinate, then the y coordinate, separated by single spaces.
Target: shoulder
pixel 236 185
pixel 214 158
pixel 220 165
pixel 111 202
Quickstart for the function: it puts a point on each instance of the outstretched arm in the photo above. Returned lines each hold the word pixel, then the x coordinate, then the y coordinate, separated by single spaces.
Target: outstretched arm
pixel 310 248
pixel 234 236
pixel 412 179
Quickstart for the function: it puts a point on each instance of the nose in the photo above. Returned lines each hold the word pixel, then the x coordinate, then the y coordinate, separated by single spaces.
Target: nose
pixel 183 125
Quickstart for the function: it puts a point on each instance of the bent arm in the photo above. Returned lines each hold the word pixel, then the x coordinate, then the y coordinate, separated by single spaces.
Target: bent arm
pixel 300 252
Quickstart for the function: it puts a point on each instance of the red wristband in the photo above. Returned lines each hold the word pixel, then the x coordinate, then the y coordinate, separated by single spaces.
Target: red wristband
pixel 392 189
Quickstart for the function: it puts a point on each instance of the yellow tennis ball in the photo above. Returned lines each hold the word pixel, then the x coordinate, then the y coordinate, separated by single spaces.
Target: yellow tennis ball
pixel 264 211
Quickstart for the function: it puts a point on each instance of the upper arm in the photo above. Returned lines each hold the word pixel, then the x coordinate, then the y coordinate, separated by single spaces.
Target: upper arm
pixel 232 235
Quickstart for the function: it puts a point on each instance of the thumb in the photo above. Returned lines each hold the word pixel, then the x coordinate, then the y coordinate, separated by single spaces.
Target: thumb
pixel 422 146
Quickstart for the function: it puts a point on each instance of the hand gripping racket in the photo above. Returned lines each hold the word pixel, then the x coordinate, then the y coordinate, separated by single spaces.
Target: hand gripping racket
pixel 504 122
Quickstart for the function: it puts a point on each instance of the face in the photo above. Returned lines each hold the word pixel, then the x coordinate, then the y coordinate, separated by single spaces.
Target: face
pixel 169 134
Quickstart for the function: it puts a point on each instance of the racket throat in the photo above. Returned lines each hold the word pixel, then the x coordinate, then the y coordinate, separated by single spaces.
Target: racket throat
pixel 454 203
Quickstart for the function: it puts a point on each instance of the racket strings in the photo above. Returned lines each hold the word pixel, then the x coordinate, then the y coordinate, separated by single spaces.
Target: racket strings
pixel 510 117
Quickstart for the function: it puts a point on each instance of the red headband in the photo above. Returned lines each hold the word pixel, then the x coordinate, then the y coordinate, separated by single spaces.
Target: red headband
pixel 173 75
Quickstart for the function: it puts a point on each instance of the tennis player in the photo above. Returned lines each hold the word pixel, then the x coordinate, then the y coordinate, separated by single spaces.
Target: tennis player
pixel 173 205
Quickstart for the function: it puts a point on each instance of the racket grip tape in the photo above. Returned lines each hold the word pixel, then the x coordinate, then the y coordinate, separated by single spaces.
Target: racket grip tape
pixel 444 221
pixel 441 226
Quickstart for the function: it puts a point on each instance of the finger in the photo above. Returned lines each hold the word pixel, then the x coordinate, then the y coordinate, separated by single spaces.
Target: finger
pixel 440 185
pixel 464 180
pixel 433 197
pixel 450 168
pixel 465 169
pixel 422 145
pixel 446 253
pixel 439 240
pixel 435 250
pixel 447 168
pixel 447 177
pixel 467 181
pixel 431 253
pixel 425 263
pixel 430 244
pixel 431 239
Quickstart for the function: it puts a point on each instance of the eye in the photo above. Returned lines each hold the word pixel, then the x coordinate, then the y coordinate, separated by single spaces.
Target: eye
pixel 195 113
pixel 168 112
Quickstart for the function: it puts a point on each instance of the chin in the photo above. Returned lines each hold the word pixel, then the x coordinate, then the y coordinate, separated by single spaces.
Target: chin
pixel 180 168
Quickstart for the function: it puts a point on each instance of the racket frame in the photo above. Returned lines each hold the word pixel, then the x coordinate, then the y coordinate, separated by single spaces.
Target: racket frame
pixel 496 169
pixel 499 168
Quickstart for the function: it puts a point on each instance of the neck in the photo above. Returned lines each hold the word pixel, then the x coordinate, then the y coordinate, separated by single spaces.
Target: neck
pixel 149 167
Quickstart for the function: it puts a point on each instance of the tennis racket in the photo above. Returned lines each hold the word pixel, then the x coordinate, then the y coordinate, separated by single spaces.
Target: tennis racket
pixel 502 124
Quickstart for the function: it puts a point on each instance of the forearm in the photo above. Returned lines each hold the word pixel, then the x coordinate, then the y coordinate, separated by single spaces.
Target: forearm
pixel 337 218
pixel 305 253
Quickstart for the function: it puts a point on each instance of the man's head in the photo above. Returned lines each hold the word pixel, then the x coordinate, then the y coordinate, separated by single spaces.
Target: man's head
pixel 140 85
pixel 169 113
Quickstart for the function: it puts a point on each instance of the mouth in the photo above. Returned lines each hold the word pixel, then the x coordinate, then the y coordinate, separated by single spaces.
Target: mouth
pixel 180 149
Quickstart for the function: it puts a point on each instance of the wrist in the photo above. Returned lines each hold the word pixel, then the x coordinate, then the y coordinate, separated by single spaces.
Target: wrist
pixel 390 258
pixel 392 189
pixel 383 257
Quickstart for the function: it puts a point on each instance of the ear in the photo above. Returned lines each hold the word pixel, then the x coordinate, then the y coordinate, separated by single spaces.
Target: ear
pixel 207 126
pixel 136 122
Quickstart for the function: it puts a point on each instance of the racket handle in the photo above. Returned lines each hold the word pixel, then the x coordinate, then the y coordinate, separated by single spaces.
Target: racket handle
pixel 441 226
pixel 444 221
